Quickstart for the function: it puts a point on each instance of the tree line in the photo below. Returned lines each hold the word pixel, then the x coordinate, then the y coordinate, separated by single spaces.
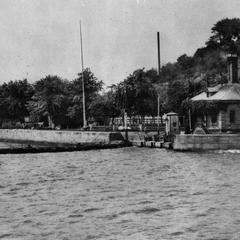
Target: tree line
pixel 58 102
pixel 52 100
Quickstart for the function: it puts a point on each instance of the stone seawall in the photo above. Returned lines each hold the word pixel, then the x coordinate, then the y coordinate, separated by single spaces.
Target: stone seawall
pixel 58 137
pixel 189 142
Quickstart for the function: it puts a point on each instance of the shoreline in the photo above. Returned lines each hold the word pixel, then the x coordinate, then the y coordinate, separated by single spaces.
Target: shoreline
pixel 19 148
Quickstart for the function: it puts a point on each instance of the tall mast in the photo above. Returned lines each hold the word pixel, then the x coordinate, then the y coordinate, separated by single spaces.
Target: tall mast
pixel 159 69
pixel 83 90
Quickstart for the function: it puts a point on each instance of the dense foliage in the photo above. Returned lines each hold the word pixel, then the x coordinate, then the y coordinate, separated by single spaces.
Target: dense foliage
pixel 136 94
pixel 51 100
pixel 13 99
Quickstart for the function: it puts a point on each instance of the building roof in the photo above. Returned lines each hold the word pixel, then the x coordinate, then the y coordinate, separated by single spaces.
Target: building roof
pixel 215 88
pixel 200 97
pixel 171 114
pixel 226 92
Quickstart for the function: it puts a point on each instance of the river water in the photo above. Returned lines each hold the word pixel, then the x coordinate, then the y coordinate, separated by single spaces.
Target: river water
pixel 123 194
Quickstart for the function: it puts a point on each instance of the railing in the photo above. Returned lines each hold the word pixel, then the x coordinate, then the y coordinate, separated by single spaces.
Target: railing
pixel 133 127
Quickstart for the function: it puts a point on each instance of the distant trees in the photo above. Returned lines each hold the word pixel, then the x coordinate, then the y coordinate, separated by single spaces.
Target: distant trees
pixel 226 35
pixel 92 88
pixel 13 99
pixel 50 100
pixel 186 64
pixel 177 92
pixel 104 107
pixel 136 94
pixel 208 65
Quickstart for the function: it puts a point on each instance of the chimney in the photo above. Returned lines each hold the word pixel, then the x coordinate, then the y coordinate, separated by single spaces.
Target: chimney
pixel 232 68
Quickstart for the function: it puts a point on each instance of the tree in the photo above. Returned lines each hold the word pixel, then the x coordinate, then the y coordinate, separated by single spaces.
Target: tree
pixel 50 100
pixel 185 62
pixel 177 92
pixel 13 99
pixel 226 35
pixel 104 108
pixel 169 72
pixel 137 95
pixel 92 87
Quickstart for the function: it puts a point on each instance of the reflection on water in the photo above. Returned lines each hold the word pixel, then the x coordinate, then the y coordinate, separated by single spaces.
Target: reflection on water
pixel 130 193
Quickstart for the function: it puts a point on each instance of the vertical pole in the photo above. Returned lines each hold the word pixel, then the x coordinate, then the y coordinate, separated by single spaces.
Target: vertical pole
pixel 158 113
pixel 125 114
pixel 159 69
pixel 125 119
pixel 125 125
pixel 190 120
pixel 159 60
pixel 170 126
pixel 83 90
pixel 220 120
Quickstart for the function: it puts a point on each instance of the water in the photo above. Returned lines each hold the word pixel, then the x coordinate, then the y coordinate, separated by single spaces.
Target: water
pixel 122 194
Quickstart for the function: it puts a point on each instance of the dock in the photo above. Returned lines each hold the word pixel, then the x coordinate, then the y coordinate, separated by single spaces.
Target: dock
pixel 153 144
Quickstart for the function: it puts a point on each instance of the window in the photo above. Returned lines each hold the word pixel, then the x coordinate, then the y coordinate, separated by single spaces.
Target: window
pixel 214 118
pixel 232 116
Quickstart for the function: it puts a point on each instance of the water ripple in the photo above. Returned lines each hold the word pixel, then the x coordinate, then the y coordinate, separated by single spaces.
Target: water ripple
pixel 120 194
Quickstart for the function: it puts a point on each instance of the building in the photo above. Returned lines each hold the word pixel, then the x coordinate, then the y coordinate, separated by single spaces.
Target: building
pixel 223 115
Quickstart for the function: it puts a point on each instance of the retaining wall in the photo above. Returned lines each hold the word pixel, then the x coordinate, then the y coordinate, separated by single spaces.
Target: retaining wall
pixel 192 142
pixel 60 137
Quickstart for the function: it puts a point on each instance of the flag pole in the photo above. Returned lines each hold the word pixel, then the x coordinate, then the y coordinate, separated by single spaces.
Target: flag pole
pixel 159 69
pixel 83 90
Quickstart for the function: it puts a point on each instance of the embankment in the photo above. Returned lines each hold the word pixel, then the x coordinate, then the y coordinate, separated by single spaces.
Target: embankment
pixel 202 142
pixel 51 140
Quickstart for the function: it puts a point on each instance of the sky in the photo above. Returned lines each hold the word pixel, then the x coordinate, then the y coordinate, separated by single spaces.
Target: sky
pixel 41 37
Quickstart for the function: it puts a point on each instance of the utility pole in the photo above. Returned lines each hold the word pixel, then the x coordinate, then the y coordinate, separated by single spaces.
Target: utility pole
pixel 83 90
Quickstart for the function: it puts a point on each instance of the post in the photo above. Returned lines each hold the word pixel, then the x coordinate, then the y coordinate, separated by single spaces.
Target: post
pixel 220 121
pixel 158 113
pixel 83 90
pixel 190 121
pixel 125 125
